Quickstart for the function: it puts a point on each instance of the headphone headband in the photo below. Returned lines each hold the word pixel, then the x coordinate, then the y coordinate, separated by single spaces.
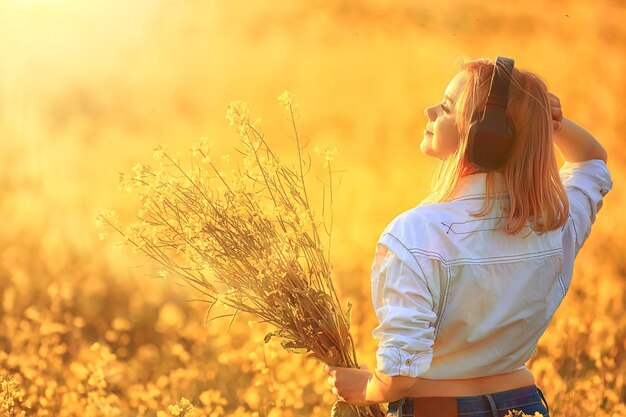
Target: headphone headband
pixel 499 88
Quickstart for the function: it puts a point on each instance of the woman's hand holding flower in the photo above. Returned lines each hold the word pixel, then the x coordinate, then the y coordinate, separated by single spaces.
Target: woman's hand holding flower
pixel 349 384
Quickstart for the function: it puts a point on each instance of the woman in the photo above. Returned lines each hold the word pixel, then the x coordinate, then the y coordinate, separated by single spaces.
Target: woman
pixel 464 284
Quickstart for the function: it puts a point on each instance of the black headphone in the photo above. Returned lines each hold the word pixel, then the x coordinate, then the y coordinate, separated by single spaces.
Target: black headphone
pixel 491 134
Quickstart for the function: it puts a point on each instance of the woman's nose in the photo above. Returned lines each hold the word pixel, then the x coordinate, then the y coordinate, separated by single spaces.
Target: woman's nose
pixel 428 113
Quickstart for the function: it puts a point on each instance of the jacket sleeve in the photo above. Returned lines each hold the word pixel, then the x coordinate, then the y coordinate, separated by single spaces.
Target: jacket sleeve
pixel 586 184
pixel 404 309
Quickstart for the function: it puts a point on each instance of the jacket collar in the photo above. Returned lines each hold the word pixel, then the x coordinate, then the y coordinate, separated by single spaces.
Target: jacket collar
pixel 475 186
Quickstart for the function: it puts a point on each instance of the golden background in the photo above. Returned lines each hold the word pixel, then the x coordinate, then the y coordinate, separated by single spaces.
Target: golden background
pixel 88 88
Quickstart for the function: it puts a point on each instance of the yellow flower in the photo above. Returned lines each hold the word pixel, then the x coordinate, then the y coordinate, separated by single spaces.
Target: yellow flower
pixel 158 152
pixel 106 218
pixel 288 100
pixel 175 409
pixel 328 153
pixel 237 112
pixel 202 146
pixel 139 170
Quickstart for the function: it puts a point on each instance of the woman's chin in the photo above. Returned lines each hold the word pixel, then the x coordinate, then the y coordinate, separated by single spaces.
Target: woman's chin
pixel 427 150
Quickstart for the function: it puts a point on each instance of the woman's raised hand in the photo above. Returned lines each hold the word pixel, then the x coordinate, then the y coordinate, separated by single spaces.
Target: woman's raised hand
pixel 556 111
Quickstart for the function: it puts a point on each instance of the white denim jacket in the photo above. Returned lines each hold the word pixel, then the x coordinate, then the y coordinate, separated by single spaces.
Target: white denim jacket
pixel 456 298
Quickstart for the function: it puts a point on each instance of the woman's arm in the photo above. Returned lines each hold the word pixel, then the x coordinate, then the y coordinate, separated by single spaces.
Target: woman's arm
pixel 576 144
pixel 382 388
pixel 573 142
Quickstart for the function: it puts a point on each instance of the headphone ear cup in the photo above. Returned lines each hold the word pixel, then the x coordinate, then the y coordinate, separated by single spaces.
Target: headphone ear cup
pixel 488 144
pixel 471 131
pixel 510 131
pixel 471 136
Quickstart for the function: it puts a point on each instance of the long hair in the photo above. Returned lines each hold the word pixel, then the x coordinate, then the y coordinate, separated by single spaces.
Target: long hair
pixel 531 175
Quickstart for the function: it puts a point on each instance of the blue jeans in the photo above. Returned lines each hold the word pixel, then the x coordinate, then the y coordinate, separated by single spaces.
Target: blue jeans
pixel 527 399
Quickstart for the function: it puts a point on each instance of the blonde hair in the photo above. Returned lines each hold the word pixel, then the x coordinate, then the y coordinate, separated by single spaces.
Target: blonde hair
pixel 530 174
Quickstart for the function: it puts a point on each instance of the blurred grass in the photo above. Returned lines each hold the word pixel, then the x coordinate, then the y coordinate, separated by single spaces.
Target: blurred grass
pixel 89 88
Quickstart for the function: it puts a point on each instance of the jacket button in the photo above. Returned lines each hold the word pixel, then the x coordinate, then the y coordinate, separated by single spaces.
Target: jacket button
pixel 408 361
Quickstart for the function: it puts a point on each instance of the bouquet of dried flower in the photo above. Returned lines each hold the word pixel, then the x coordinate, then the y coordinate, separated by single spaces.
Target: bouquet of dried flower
pixel 251 232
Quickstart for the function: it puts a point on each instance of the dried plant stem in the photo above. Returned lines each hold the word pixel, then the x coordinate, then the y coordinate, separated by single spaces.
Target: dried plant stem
pixel 256 234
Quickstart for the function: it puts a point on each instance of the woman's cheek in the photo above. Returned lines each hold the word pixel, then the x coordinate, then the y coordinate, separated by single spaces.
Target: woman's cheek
pixel 447 138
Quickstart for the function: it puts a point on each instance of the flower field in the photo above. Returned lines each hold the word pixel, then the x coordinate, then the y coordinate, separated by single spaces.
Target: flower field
pixel 87 329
